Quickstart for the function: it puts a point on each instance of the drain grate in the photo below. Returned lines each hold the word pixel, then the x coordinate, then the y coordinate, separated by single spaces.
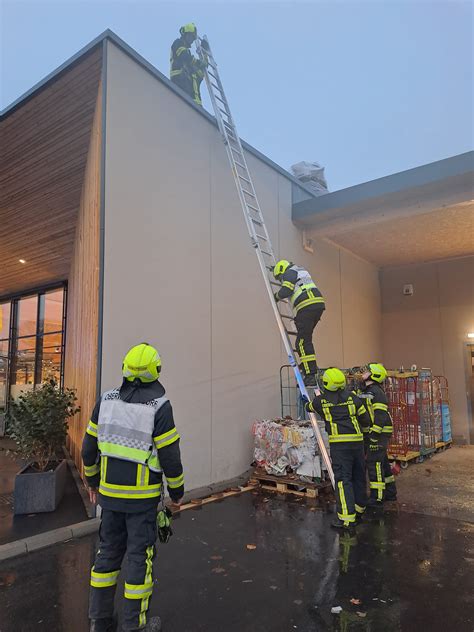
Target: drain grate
pixel 6 499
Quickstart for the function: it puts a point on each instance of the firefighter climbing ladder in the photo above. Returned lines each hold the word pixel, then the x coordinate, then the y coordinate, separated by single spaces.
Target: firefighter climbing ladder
pixel 255 222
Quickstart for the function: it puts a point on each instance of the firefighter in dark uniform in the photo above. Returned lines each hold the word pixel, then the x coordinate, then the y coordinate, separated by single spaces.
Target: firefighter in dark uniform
pixel 130 442
pixel 345 417
pixel 308 305
pixel 381 479
pixel 187 71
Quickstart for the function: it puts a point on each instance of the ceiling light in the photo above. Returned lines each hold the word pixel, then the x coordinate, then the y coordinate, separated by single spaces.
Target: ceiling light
pixel 21 260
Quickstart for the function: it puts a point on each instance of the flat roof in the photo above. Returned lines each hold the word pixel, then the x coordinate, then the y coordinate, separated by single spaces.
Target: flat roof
pixel 439 183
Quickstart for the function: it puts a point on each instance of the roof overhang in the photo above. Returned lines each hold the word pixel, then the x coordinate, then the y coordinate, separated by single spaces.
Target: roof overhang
pixel 421 214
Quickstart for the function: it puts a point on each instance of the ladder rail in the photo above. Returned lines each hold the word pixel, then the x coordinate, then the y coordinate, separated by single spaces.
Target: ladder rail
pixel 230 137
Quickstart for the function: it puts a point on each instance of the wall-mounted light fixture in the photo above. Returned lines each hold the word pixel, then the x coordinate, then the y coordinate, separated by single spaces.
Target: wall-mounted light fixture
pixel 21 260
pixel 470 334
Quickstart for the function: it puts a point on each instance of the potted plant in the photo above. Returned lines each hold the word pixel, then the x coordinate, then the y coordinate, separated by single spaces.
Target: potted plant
pixel 37 422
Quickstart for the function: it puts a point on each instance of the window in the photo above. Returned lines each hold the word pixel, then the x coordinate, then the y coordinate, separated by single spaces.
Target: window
pixel 31 343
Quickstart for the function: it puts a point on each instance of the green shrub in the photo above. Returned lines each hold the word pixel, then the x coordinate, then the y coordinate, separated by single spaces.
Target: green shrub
pixel 38 421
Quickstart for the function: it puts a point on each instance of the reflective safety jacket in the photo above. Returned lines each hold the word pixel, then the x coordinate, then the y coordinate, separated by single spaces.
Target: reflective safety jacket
pixel 377 405
pixel 298 286
pixel 185 69
pixel 344 413
pixel 130 441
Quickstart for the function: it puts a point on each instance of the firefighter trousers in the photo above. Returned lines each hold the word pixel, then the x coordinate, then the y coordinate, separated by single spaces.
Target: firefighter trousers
pixel 133 535
pixel 381 480
pixel 348 463
pixel 306 320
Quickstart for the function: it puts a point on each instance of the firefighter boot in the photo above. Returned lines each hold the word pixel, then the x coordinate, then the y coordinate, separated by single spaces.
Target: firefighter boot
pixel 103 625
pixel 153 625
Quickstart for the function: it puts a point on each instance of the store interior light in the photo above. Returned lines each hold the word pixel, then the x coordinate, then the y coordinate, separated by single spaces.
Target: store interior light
pixel 471 334
pixel 21 260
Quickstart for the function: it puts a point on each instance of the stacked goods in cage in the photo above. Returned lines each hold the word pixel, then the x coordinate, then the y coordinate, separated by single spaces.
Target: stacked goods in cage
pixel 285 446
pixel 418 404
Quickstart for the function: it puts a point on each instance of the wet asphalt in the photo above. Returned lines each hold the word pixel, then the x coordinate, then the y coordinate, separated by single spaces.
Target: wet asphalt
pixel 268 563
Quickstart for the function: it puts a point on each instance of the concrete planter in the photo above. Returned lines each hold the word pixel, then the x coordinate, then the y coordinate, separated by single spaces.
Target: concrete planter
pixel 38 492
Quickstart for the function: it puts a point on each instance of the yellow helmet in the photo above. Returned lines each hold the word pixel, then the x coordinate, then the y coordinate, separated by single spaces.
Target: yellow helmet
pixel 280 267
pixel 188 28
pixel 334 379
pixel 142 362
pixel 378 373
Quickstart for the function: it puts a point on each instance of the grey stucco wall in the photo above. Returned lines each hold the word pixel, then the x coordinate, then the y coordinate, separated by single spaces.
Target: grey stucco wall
pixel 180 273
pixel 430 328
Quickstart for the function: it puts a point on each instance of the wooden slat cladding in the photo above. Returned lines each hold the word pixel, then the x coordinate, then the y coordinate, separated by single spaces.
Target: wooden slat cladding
pixel 83 292
pixel 44 145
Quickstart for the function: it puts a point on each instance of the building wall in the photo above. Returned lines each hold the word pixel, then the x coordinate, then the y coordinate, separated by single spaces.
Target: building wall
pixel 83 293
pixel 430 328
pixel 180 273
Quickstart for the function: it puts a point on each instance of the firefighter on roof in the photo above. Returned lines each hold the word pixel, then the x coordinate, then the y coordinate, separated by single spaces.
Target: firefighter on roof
pixel 187 71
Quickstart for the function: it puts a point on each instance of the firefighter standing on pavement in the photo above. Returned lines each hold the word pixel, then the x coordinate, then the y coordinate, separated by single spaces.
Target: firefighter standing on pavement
pixel 345 417
pixel 187 71
pixel 381 479
pixel 131 440
pixel 308 304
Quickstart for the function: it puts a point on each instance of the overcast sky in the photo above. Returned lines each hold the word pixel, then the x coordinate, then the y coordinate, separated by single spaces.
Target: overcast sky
pixel 365 88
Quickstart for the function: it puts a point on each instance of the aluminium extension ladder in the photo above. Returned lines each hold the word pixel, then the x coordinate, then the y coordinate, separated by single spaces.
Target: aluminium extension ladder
pixel 255 222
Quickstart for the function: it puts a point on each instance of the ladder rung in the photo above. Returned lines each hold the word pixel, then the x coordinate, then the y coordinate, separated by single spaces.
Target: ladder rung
pixel 287 317
pixel 254 208
pixel 249 193
pixel 291 333
pixel 244 178
pixel 239 164
pixel 256 221
pixel 264 252
pixel 216 87
pixel 219 99
pixel 261 237
pixel 224 112
pixel 236 151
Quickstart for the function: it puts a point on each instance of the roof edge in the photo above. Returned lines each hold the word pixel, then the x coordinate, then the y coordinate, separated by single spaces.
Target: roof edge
pixel 109 35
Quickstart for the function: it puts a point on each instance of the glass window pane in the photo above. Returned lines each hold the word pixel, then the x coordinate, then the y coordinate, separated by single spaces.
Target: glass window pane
pixel 27 316
pixel 3 374
pixel 51 359
pixel 5 309
pixel 53 311
pixel 23 374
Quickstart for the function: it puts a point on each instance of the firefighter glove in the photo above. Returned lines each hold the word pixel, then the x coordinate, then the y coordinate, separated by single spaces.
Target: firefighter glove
pixel 163 521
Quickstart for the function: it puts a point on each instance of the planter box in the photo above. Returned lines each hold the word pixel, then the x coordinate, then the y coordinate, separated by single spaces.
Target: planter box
pixel 38 492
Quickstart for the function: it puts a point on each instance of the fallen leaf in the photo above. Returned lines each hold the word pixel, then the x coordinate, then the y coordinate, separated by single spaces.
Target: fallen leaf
pixel 336 610
pixel 216 557
pixel 298 602
pixel 356 602
pixel 218 569
pixel 251 547
pixel 361 614
pixel 247 581
pixel 273 587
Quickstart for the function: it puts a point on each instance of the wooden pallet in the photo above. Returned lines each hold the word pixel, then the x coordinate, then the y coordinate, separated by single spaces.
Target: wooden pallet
pixel 442 445
pixel 409 456
pixel 199 502
pixel 286 485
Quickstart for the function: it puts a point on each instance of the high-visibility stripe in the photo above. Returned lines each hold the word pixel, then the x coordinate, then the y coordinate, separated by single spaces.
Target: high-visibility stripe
pixel 180 50
pixel 376 428
pixel 175 482
pixel 166 439
pixel 345 437
pixel 174 73
pixel 387 429
pixel 308 301
pixel 302 356
pixel 141 474
pixel 104 460
pixel 103 580
pixel 390 479
pixel 124 452
pixel 380 407
pixel 360 509
pixel 361 410
pixel 122 491
pixel 380 480
pixel 138 591
pixel 374 485
pixel 92 429
pixel 289 285
pixel 344 515
pixel 92 470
